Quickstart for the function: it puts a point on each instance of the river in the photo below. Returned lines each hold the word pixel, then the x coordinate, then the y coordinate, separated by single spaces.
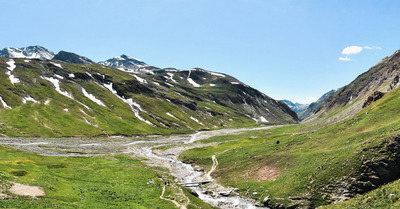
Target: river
pixel 211 193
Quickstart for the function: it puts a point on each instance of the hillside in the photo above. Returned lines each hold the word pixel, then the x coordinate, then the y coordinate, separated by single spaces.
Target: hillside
pixel 349 100
pixel 316 164
pixel 52 99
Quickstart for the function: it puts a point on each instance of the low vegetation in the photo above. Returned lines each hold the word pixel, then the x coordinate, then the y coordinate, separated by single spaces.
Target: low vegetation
pixel 298 166
pixel 117 181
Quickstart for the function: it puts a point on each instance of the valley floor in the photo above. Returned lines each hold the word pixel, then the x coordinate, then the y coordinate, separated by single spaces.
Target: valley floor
pixel 102 173
pixel 295 166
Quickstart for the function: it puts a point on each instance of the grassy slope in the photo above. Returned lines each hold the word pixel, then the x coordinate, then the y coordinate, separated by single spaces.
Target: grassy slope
pixel 306 162
pixel 82 182
pixel 117 118
pixel 387 196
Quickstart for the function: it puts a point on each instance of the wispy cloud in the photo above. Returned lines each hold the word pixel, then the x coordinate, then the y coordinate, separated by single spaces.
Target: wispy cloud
pixel 350 50
pixel 344 59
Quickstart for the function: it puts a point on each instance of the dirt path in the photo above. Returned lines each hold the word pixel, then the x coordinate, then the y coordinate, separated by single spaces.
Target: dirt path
pixel 173 201
pixel 213 167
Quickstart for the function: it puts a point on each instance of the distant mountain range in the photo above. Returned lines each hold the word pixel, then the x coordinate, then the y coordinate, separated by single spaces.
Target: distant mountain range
pixel 123 62
pixel 306 110
pixel 69 95
pixel 31 52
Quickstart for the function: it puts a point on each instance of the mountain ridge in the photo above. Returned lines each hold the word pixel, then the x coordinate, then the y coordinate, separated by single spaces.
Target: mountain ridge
pixel 107 101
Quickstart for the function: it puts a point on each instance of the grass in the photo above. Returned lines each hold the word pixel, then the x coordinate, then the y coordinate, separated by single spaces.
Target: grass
pixel 64 116
pixel 307 161
pixel 117 181
pixel 387 196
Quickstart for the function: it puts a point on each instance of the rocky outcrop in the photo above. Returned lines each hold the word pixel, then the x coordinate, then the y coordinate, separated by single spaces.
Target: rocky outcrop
pixel 374 97
pixel 71 58
pixel 380 165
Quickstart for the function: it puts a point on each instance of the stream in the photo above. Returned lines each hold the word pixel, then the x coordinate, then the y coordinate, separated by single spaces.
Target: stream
pixel 144 147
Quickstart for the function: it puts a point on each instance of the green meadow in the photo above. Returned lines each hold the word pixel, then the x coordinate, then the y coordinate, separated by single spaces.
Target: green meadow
pixel 114 181
pixel 295 163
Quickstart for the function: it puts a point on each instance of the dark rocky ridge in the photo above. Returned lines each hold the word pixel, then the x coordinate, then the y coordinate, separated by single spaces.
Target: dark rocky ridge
pixel 381 77
pixel 70 57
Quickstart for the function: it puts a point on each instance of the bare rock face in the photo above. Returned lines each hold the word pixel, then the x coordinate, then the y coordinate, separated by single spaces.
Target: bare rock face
pixel 72 58
pixel 374 97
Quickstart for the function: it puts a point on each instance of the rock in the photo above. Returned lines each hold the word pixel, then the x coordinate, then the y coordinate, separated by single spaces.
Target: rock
pixel 375 96
pixel 266 201
pixel 193 193
pixel 151 181
pixel 391 195
pixel 225 194
pixel 198 168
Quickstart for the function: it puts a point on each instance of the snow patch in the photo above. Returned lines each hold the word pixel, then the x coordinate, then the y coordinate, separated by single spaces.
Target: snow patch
pixel 217 74
pixel 157 83
pixel 169 84
pixel 29 99
pixel 66 109
pixel 4 103
pixel 195 119
pixel 263 120
pixel 59 76
pixel 171 77
pixel 56 64
pixel 191 81
pixel 11 67
pixel 235 83
pixel 136 112
pixel 56 84
pixel 172 116
pixel 211 84
pixel 71 75
pixel 47 102
pixel 109 87
pixel 138 106
pixel 92 97
pixel 131 104
pixel 141 80
pixel 88 122
pixel 27 61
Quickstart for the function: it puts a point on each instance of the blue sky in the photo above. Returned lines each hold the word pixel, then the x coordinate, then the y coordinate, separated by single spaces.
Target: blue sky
pixel 285 49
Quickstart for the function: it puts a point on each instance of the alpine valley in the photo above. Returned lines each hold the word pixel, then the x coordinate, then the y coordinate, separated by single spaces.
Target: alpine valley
pixel 124 134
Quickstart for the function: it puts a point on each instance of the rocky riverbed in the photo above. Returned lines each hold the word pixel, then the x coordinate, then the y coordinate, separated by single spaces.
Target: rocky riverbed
pixel 144 147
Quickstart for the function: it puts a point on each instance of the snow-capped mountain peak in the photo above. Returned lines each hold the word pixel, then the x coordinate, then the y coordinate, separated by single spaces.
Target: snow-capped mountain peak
pixel 125 63
pixel 30 52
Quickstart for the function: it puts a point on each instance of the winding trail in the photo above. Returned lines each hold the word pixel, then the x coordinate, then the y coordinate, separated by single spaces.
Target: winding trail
pixel 145 147
pixel 214 166
pixel 173 201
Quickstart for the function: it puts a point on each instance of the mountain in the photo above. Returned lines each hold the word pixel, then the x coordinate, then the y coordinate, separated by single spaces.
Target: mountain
pixel 306 110
pixel 30 52
pixel 125 63
pixel 71 58
pixel 349 100
pixel 348 147
pixel 50 98
pixel 297 107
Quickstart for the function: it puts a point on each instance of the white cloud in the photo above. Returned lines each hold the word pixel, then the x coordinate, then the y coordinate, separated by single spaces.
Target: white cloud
pixel 344 59
pixel 372 47
pixel 352 50
pixel 355 50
